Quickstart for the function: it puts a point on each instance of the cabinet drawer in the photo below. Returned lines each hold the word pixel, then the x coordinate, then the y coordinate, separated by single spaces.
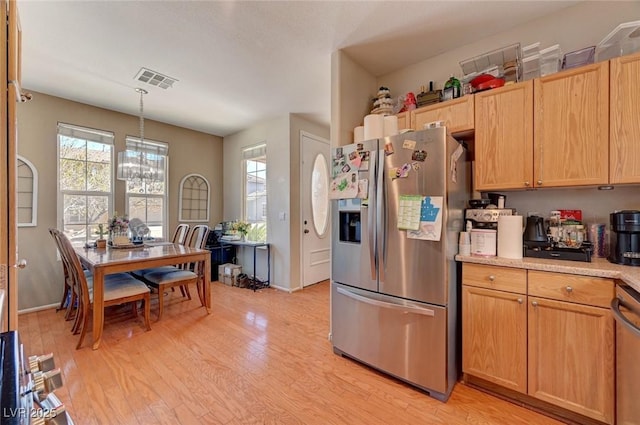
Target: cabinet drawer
pixel 492 277
pixel 587 290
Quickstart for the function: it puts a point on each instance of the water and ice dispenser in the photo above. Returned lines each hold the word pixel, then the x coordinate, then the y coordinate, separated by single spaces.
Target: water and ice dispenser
pixel 349 223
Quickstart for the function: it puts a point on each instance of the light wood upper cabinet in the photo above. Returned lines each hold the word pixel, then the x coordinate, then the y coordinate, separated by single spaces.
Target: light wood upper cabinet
pixel 404 120
pixel 624 155
pixel 457 114
pixel 494 336
pixel 504 138
pixel 571 127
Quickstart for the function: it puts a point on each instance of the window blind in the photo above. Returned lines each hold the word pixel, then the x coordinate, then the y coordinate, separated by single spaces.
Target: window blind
pixel 256 151
pixel 85 133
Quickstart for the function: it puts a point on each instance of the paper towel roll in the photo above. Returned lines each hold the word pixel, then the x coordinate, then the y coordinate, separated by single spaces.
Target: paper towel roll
pixel 358 134
pixel 373 126
pixel 510 236
pixel 390 125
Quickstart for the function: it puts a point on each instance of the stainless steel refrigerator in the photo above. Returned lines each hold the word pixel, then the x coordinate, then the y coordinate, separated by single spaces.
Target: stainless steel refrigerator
pixel 394 290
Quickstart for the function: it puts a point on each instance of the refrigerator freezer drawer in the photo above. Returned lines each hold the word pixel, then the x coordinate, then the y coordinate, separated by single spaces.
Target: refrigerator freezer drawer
pixel 402 338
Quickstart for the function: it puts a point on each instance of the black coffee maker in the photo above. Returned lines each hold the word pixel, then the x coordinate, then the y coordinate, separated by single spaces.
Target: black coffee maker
pixel 625 237
pixel 534 231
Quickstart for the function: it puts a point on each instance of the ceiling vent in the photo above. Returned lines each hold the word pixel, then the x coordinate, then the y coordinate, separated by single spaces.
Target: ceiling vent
pixel 154 78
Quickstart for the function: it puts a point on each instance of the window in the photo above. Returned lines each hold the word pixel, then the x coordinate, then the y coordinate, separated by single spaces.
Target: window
pixel 27 193
pixel 194 199
pixel 255 191
pixel 146 199
pixel 85 181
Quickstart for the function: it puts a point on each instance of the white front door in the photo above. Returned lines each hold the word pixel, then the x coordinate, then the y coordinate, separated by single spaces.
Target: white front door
pixel 315 219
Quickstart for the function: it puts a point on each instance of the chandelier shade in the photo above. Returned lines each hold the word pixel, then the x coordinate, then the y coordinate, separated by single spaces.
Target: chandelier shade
pixel 137 165
pixel 142 160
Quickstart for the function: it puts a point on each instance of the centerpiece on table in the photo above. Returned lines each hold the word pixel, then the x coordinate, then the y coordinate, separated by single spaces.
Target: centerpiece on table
pixel 242 228
pixel 119 230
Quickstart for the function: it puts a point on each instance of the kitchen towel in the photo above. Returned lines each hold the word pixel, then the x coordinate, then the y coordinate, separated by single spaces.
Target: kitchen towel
pixel 358 134
pixel 390 125
pixel 510 236
pixel 373 126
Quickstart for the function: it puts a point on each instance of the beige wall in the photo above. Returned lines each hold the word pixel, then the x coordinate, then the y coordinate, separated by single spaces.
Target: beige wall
pixel 40 284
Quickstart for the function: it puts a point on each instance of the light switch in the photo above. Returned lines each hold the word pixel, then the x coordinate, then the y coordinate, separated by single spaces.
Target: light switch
pixel 282 216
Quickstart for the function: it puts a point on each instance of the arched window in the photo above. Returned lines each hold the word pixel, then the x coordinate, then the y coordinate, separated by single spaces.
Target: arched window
pixel 194 199
pixel 27 193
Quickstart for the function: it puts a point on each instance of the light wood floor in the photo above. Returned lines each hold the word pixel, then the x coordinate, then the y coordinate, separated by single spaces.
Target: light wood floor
pixel 260 357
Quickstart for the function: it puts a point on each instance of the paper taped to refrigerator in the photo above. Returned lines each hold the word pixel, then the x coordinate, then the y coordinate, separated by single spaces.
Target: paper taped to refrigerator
pixel 430 226
pixel 344 186
pixel 409 212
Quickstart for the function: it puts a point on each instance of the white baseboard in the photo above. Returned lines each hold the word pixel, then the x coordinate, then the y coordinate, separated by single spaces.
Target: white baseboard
pixel 40 308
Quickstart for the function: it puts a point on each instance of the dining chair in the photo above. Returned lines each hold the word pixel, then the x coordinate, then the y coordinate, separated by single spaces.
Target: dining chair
pixel 68 296
pixel 182 275
pixel 119 289
pixel 179 237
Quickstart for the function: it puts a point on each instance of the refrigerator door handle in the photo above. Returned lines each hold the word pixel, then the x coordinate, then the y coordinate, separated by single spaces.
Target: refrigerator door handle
pixel 370 219
pixel 381 202
pixel 378 303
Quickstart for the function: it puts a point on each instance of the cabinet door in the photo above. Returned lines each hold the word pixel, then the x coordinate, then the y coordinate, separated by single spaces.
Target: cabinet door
pixel 457 114
pixel 624 155
pixel 571 357
pixel 404 120
pixel 571 127
pixel 494 337
pixel 504 138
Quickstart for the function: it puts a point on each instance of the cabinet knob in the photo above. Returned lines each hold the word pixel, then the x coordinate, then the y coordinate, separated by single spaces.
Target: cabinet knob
pixel 534 303
pixel 539 182
pixel 569 289
pixel 492 278
pixel 527 184
pixel 520 301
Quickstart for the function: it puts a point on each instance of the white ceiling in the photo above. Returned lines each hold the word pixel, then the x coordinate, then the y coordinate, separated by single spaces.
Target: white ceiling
pixel 239 62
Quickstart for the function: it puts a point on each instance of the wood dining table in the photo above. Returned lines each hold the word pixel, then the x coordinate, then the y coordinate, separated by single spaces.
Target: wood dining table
pixel 104 261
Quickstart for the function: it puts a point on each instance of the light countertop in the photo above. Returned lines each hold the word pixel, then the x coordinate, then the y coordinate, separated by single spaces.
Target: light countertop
pixel 598 267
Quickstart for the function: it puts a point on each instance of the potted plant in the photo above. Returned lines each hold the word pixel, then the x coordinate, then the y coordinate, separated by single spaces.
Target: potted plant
pixel 101 242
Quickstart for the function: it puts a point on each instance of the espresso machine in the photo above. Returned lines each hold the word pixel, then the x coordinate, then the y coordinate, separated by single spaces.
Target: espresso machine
pixel 625 237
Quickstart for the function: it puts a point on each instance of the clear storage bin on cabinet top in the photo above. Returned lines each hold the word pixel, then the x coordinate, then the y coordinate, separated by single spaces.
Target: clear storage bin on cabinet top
pixel 550 60
pixel 623 40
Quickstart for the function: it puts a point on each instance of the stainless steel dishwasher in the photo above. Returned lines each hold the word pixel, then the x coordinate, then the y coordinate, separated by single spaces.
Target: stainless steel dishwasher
pixel 626 310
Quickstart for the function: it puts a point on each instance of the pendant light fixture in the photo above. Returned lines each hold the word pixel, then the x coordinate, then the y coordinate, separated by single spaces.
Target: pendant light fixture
pixel 142 160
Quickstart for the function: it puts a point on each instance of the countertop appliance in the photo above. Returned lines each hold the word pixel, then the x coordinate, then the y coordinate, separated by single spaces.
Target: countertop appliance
pixel 486 218
pixel 538 244
pixel 626 310
pixel 625 237
pixel 394 298
pixel 534 230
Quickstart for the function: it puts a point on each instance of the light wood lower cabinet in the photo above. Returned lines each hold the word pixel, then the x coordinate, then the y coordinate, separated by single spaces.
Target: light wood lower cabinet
pixel 571 357
pixel 557 346
pixel 494 336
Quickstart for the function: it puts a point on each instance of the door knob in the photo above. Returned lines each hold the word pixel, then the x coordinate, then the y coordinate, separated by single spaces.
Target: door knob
pixel 21 264
pixel 306 230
